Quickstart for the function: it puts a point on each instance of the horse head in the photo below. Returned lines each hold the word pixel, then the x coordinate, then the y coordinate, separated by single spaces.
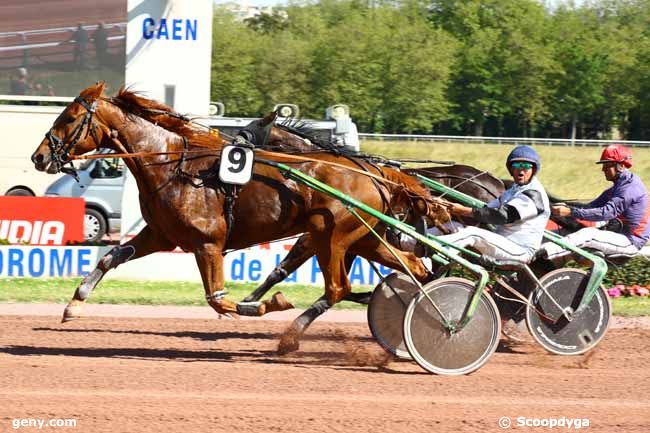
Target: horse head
pixel 74 132
pixel 258 131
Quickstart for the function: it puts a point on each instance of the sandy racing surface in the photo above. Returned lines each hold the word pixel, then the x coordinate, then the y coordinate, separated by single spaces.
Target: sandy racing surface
pixel 145 374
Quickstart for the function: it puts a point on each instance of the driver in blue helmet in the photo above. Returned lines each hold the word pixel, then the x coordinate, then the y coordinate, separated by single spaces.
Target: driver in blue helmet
pixel 519 215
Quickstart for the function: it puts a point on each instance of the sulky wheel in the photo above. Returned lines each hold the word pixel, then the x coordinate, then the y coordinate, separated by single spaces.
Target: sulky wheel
pixel 555 333
pixel 386 312
pixel 430 343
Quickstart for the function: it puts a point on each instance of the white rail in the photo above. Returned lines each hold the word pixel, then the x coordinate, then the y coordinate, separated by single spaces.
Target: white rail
pixel 497 140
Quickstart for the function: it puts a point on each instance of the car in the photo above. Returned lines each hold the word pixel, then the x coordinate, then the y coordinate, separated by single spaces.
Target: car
pixel 100 185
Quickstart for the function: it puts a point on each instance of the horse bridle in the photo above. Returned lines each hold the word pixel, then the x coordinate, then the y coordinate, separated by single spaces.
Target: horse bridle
pixel 60 149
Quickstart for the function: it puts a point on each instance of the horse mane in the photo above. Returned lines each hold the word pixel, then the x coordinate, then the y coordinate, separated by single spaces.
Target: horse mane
pixel 134 104
pixel 306 129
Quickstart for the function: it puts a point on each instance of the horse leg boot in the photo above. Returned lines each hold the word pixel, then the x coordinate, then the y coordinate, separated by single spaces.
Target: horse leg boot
pixel 210 261
pixel 143 244
pixel 290 340
pixel 301 251
pixel 115 257
pixel 337 286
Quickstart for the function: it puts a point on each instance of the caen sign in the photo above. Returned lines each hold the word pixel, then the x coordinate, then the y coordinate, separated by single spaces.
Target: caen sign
pixel 41 220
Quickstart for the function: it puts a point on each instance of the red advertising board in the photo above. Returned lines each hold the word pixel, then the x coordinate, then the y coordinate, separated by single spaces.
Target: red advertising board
pixel 41 220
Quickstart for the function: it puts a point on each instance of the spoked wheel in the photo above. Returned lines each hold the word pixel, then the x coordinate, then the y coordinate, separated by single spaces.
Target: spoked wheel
pixel 386 312
pixel 557 334
pixel 431 344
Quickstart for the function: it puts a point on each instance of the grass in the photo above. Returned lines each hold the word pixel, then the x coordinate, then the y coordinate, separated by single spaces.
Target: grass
pixel 567 172
pixel 60 290
pixel 632 306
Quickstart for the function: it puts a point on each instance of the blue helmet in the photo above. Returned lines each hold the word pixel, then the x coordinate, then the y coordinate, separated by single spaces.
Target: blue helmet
pixel 524 153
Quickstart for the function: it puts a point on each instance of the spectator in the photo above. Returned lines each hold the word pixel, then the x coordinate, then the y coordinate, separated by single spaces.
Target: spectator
pixel 19 85
pixel 80 39
pixel 100 37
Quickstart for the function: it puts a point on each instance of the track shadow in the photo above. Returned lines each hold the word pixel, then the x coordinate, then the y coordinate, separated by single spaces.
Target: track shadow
pixel 122 353
pixel 513 348
pixel 201 336
pixel 305 359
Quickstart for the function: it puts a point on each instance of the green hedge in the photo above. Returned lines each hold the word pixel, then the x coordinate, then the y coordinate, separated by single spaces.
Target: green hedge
pixel 636 271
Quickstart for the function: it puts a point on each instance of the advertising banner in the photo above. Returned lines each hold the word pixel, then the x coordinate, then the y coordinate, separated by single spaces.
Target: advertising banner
pixel 41 220
pixel 39 262
pixel 248 265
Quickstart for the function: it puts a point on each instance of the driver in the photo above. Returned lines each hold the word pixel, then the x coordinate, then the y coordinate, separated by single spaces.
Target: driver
pixel 625 205
pixel 520 214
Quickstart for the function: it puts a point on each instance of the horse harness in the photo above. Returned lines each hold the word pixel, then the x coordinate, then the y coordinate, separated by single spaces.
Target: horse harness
pixel 60 147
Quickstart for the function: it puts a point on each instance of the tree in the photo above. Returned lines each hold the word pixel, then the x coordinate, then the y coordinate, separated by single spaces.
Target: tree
pixel 386 63
pixel 502 66
pixel 234 57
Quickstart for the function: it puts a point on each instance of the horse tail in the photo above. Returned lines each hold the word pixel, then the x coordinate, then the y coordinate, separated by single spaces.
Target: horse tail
pixel 408 191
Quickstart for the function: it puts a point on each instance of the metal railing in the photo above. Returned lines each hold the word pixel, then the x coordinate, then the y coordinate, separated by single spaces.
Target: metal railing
pixel 497 140
pixel 28 48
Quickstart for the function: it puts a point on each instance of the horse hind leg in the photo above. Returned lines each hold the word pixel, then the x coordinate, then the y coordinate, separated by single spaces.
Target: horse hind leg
pixel 145 243
pixel 290 340
pixel 331 259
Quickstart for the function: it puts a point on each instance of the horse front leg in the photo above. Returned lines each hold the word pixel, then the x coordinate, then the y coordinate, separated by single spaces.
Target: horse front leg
pixel 143 244
pixel 209 258
pixel 301 251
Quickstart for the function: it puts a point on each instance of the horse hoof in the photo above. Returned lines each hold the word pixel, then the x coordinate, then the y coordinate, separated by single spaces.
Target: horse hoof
pixel 288 343
pixel 278 302
pixel 72 311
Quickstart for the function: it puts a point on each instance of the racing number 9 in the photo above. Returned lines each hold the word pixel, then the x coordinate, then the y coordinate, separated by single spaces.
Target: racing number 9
pixel 236 165
pixel 236 157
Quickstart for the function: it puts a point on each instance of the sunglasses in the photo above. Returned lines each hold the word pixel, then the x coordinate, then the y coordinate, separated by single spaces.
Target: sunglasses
pixel 522 165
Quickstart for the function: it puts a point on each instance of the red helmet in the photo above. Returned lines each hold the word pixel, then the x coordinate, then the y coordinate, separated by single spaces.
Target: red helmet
pixel 616 153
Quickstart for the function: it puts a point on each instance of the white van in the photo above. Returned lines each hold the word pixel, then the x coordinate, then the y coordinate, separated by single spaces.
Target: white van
pixel 23 128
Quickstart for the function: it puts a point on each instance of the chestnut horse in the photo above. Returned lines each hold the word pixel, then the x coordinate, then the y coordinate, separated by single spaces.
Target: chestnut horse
pixel 466 179
pixel 171 152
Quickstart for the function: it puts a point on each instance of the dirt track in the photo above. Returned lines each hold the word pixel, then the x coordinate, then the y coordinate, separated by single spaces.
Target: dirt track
pixel 172 375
